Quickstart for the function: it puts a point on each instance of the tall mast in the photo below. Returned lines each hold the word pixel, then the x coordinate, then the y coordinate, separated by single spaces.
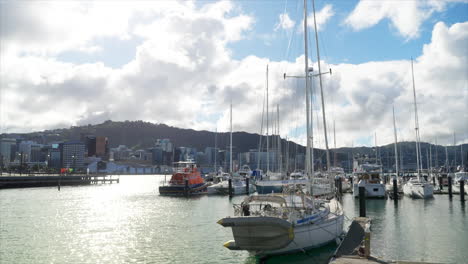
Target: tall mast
pixel 334 144
pixel 416 124
pixel 267 140
pixel 216 151
pixel 280 160
pixel 375 142
pixel 321 88
pixel 436 154
pixel 454 151
pixel 230 147
pixel 261 134
pixel 306 69
pixel 396 142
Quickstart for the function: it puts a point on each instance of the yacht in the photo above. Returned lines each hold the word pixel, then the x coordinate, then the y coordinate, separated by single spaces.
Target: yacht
pixel 283 223
pixel 417 187
pixel 461 175
pixel 369 176
pixel 293 220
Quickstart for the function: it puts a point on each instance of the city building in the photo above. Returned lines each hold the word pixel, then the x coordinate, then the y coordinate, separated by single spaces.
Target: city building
pixel 102 148
pixel 72 154
pixel 7 151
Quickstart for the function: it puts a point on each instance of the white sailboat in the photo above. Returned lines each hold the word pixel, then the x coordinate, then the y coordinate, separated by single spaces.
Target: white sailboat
pixel 389 185
pixel 417 187
pixel 288 222
pixel 238 180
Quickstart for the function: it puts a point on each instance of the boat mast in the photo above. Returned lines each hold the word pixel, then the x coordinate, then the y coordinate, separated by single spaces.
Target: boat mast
pixel 454 151
pixel 261 134
pixel 216 148
pixel 280 160
pixel 416 123
pixel 306 69
pixel 267 141
pixel 321 88
pixel 396 142
pixel 230 147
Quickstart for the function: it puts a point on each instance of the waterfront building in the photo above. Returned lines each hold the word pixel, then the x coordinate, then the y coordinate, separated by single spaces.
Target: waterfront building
pixel 72 154
pixel 165 144
pixel 7 150
pixel 102 146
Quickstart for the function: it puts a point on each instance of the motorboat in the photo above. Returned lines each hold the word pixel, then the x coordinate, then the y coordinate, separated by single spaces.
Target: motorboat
pixel 369 176
pixel 186 180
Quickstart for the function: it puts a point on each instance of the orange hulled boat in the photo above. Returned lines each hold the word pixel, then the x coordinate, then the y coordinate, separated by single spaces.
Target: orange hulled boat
pixel 186 180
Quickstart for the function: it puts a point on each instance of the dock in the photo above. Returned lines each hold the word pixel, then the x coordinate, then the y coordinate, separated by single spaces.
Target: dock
pixel 7 182
pixel 355 247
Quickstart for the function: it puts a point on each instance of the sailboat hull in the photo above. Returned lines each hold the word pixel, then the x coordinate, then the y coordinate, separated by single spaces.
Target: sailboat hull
pixel 418 191
pixel 264 236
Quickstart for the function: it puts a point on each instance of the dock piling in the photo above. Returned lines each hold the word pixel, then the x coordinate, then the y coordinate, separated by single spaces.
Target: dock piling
pixel 362 201
pixel 450 186
pixel 247 185
pixel 395 189
pixel 440 183
pixel 230 187
pixel 186 189
pixel 462 190
pixel 433 181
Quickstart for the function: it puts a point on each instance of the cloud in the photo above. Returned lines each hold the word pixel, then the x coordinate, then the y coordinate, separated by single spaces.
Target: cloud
pixel 183 74
pixel 406 16
pixel 285 22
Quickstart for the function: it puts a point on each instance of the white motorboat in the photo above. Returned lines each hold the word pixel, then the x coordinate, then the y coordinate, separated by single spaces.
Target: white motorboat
pixel 368 175
pixel 238 185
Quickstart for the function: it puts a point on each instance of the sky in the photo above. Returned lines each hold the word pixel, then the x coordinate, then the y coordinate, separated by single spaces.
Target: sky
pixel 182 63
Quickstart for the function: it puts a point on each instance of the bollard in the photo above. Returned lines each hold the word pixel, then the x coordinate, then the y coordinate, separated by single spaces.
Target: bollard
pixel 450 186
pixel 462 190
pixel 230 187
pixel 247 185
pixel 395 189
pixel 362 201
pixel 186 189
pixel 440 183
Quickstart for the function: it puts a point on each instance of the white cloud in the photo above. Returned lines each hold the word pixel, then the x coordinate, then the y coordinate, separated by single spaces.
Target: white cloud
pixel 406 16
pixel 322 17
pixel 285 22
pixel 184 75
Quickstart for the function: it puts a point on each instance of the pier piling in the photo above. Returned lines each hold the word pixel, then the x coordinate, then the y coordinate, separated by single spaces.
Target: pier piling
pixel 450 186
pixel 186 189
pixel 247 185
pixel 395 189
pixel 440 183
pixel 230 187
pixel 462 190
pixel 433 181
pixel 362 201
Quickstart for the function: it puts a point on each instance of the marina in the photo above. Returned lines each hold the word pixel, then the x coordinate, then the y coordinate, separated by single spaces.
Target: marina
pixel 130 221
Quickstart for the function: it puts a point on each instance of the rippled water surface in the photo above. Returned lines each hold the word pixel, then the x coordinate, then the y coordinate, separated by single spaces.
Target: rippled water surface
pixel 130 223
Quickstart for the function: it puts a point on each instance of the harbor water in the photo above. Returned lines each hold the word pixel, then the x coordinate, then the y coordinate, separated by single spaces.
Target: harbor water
pixel 130 222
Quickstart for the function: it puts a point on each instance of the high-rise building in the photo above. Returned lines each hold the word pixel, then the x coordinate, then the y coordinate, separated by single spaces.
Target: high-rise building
pixel 7 150
pixel 72 154
pixel 102 148
pixel 90 141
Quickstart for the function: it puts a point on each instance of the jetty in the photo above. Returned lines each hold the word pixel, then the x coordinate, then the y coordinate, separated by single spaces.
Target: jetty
pixel 356 246
pixel 7 182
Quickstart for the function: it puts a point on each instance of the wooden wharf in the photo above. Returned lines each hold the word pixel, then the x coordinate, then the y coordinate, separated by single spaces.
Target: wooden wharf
pixel 7 182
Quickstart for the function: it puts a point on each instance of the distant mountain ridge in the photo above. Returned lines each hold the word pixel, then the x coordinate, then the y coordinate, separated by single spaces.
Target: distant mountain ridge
pixel 141 135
